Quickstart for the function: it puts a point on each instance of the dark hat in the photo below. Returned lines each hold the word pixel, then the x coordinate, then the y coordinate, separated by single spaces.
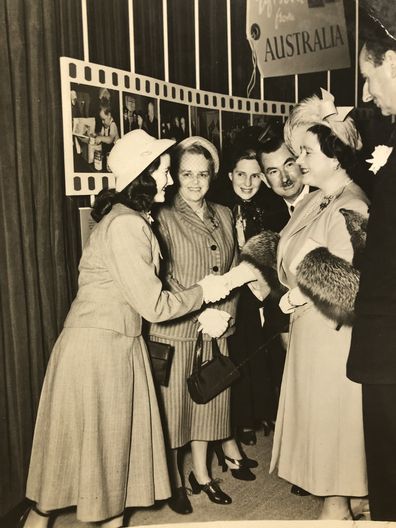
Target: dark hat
pixel 383 12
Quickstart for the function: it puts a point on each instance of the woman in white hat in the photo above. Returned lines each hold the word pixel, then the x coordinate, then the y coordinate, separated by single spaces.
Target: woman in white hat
pixel 197 237
pixel 98 441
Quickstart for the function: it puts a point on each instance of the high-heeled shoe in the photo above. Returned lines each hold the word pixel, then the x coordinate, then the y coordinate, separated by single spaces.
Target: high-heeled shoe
pixel 247 437
pixel 23 519
pixel 245 461
pixel 179 502
pixel 359 509
pixel 268 426
pixel 211 488
pixel 241 472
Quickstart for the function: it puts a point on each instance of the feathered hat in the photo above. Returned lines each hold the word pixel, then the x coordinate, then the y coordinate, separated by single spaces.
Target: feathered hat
pixel 320 111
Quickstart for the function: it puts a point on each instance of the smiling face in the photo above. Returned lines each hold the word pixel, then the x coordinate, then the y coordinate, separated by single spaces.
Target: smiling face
pixel 316 167
pixel 194 178
pixel 281 173
pixel 246 178
pixel 162 178
pixel 379 81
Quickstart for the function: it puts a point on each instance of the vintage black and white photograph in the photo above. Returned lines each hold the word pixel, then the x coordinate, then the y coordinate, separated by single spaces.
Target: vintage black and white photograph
pixel 95 126
pixel 198 263
pixel 174 120
pixel 140 112
pixel 205 122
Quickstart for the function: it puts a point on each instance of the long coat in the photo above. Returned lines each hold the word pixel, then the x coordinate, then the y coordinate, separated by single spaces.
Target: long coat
pixel 193 248
pixel 98 440
pixel 372 357
pixel 318 441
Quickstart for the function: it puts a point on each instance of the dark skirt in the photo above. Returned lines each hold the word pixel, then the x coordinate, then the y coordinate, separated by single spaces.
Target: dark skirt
pixel 254 397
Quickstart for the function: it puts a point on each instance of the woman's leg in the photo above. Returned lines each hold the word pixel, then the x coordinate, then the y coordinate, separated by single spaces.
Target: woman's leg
pixel 199 450
pixel 336 508
pixel 36 518
pixel 231 450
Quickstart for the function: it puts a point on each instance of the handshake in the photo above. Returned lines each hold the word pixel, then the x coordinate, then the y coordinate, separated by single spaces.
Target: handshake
pixel 217 287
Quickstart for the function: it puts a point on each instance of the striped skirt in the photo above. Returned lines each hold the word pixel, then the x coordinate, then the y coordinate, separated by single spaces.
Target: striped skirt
pixel 185 420
pixel 98 441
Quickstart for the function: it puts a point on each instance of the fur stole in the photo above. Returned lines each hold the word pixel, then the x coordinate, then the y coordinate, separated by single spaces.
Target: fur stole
pixel 260 251
pixel 330 281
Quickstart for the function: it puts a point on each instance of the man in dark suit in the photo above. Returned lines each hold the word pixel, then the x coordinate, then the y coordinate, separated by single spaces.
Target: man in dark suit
pixel 283 176
pixel 372 359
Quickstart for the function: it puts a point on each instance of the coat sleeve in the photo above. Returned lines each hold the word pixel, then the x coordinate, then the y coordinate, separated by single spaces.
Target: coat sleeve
pixel 326 274
pixel 130 261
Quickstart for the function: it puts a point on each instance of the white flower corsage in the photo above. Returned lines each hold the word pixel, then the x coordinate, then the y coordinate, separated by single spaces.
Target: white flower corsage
pixel 379 157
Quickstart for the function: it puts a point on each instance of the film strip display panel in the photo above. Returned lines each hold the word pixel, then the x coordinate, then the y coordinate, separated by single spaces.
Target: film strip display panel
pixel 101 104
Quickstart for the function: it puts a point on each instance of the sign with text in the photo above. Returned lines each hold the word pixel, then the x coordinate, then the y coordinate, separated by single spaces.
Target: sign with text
pixel 297 36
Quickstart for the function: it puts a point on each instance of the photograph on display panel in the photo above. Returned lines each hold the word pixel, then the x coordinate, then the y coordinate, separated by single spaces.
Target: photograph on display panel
pixel 205 122
pixel 139 111
pixel 95 126
pixel 232 123
pixel 174 120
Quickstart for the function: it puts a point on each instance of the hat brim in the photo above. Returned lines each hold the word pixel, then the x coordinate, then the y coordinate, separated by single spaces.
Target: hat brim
pixel 187 142
pixel 125 175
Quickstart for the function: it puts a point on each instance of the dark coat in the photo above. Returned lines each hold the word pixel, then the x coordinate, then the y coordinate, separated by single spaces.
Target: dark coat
pixel 372 357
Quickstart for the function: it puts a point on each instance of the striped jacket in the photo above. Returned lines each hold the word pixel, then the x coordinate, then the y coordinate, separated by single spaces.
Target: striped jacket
pixel 191 249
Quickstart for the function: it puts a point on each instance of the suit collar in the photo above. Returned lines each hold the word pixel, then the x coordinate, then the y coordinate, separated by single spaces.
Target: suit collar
pixel 210 221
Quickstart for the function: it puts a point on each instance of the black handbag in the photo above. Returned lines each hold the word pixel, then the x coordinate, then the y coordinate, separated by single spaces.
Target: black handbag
pixel 210 378
pixel 161 355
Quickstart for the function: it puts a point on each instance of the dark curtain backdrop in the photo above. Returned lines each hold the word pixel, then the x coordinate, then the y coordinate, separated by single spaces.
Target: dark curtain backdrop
pixel 37 246
pixel 108 33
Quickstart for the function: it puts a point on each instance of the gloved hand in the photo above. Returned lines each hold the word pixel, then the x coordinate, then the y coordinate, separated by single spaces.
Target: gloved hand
pixel 213 322
pixel 214 288
pixel 240 275
pixel 292 300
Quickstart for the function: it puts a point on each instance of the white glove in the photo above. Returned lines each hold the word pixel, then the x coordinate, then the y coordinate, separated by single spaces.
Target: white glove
pixel 214 288
pixel 240 275
pixel 292 299
pixel 213 322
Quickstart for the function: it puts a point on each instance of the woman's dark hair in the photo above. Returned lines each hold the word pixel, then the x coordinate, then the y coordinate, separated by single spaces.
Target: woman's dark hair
pixel 333 147
pixel 138 195
pixel 244 153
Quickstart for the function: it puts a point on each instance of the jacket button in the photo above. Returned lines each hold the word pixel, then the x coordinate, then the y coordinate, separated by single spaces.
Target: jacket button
pixel 213 247
pixel 215 268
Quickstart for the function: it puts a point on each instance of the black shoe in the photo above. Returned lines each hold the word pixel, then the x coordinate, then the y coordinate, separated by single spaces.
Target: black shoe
pixel 247 437
pixel 268 427
pixel 242 472
pixel 244 462
pixel 179 502
pixel 296 490
pixel 23 519
pixel 212 490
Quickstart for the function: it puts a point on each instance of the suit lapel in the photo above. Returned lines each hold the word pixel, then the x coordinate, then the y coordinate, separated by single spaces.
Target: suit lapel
pixel 209 223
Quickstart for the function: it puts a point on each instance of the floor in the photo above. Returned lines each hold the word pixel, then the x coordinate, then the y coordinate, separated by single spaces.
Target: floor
pixel 266 498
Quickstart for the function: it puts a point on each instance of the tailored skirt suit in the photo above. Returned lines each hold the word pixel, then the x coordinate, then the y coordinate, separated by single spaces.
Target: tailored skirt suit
pixel 98 441
pixel 192 248
pixel 318 440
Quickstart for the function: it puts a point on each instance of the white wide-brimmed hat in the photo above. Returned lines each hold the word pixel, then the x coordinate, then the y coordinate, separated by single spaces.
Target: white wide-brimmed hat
pixel 132 154
pixel 203 143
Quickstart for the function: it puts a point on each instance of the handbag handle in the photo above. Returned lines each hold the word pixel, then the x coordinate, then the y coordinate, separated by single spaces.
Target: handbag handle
pixel 198 351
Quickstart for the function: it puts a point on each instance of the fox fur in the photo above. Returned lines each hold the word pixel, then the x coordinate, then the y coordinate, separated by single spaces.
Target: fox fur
pixel 260 251
pixel 330 281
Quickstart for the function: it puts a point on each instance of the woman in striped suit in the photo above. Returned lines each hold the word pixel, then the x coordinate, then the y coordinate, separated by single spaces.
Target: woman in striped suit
pixel 197 238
